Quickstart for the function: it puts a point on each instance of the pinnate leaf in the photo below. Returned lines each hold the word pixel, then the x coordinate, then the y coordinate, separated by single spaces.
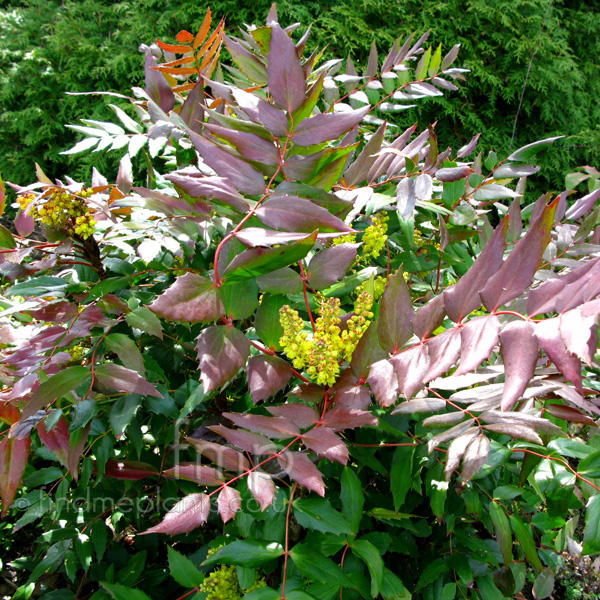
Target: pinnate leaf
pixel 267 375
pixel 478 338
pixel 255 443
pixel 303 416
pixel 190 512
pixel 301 469
pixel 274 427
pixel 342 417
pixel 327 126
pixel 326 443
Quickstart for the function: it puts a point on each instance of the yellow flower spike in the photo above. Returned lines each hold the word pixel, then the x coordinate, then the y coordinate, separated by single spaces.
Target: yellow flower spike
pixel 374 237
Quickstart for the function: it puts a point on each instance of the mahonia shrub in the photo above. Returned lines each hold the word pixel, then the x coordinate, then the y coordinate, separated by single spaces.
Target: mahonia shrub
pixel 298 361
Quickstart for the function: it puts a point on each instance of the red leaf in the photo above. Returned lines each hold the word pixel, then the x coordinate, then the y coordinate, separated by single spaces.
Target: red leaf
pixel 301 469
pixel 429 317
pixel 330 265
pixel 229 502
pixel 475 457
pixel 130 470
pixel 13 459
pixel 309 392
pixel 176 49
pixel 222 352
pixel 56 440
pixel 394 324
pixel 327 126
pixel 157 87
pixel 262 488
pixel 9 413
pixel 444 350
pixel 77 444
pixel 185 37
pixel 274 427
pixel 191 299
pixel 478 337
pixel 383 382
pixel 411 367
pixel 548 336
pixel 262 112
pixel 341 417
pixel 24 224
pixel 249 145
pixel 291 213
pixel 463 298
pixel 567 413
pixel 326 443
pixel 348 392
pixel 193 472
pixel 519 349
pixel 222 456
pixel 212 188
pixel 246 440
pixel 121 379
pixel 190 512
pixel 516 274
pixel 266 376
pixel 303 416
pixel 286 75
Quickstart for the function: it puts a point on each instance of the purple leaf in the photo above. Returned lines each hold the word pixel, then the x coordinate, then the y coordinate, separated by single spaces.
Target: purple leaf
pixel 301 469
pixel 119 378
pixel 192 110
pixel 384 160
pixel 330 265
pixel 429 317
pixel 262 488
pixel 420 405
pixel 217 188
pixel 266 376
pixel 515 222
pixel 280 281
pixel 383 382
pixel 222 456
pixel 190 512
pixel 478 338
pixel 244 177
pixel 394 325
pixel 406 197
pixel 539 424
pixel 342 417
pixel 258 236
pixel 249 145
pixel 128 470
pixel 444 350
pixel 303 416
pixel 157 87
pixel 517 272
pixel 191 299
pixel 550 341
pixel 463 298
pixel 246 440
pixel 327 444
pixel 411 366
pixel 522 432
pixel 568 393
pixel 229 502
pixel 567 413
pixel 222 352
pixel 519 349
pixel 348 392
pixel 193 472
pixel 453 173
pixel 456 451
pixel 579 332
pixel 261 111
pixel 357 172
pixel 327 126
pixel 24 224
pixel 583 206
pixel 13 460
pixel 291 213
pixel 286 76
pixel 475 457
pixel 124 179
pixel 250 264
pixel 273 427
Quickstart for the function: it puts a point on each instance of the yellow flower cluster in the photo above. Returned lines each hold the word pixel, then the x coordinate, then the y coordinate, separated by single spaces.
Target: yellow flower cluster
pixel 374 237
pixel 62 210
pixel 223 583
pixel 378 287
pixel 77 352
pixel 344 239
pixel 329 346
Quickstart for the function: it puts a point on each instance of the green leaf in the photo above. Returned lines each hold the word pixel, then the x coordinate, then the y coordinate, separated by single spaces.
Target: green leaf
pixel 393 588
pixel 258 261
pixel 525 539
pixel 502 530
pixel 449 591
pixel 43 476
pixel 127 351
pixel 122 412
pixel 544 584
pixel 39 286
pixel 436 61
pixel 352 498
pixel 121 592
pixel 107 286
pixel 264 593
pixel 316 567
pixel 239 299
pixel 431 573
pixel 245 553
pixel 526 153
pixel 437 489
pixel 6 238
pixel 372 558
pixel 58 385
pixel 591 533
pixel 183 570
pixel 453 191
pixel 145 320
pixel 266 320
pixel 401 474
pixel 318 514
pixel 99 536
pixel 85 411
pixel 487 588
pixel 421 70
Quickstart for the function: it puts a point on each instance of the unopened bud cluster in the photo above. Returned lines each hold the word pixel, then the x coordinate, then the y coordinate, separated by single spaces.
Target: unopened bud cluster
pixel 223 584
pixel 322 354
pixel 61 210
pixel 374 237
pixel 379 285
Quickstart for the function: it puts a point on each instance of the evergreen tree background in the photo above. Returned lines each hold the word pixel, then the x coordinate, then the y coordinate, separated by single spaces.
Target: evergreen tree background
pixel 49 47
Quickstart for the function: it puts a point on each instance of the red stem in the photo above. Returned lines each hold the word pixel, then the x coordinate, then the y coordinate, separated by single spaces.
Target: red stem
pixel 287 538
pixel 304 285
